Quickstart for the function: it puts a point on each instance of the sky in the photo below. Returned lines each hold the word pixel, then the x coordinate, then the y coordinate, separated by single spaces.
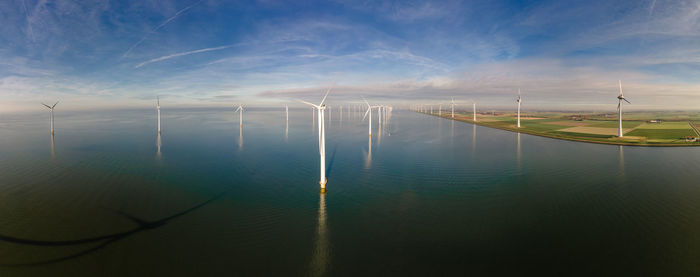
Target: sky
pixel 93 54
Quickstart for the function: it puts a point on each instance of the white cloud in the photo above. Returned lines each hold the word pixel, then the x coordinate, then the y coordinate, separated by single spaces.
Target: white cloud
pixel 163 58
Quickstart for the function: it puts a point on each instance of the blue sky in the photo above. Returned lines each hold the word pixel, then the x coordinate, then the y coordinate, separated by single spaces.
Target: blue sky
pixel 562 54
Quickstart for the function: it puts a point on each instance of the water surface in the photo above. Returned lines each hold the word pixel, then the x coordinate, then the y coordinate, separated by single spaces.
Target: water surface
pixel 424 196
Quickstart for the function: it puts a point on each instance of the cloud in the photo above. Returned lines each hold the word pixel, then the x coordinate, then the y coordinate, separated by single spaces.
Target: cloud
pixel 163 58
pixel 29 23
pixel 545 84
pixel 159 26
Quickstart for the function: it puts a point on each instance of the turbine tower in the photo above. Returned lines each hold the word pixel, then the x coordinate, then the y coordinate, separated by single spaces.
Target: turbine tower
pixel 369 110
pixel 519 100
pixel 286 109
pixel 51 108
pixel 158 108
pixel 453 107
pixel 474 110
pixel 619 109
pixel 321 137
pixel 240 116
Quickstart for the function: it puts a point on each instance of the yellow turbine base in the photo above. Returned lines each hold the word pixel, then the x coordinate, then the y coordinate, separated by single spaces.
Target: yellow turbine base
pixel 323 185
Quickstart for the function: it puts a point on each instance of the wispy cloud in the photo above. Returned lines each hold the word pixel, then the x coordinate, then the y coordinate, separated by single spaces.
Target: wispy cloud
pixel 29 23
pixel 163 58
pixel 158 27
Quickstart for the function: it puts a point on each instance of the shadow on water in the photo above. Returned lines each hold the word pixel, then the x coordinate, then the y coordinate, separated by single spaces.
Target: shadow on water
pixel 330 163
pixel 143 225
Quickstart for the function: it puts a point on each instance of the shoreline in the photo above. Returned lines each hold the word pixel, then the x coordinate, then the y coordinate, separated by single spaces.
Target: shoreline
pixel 569 138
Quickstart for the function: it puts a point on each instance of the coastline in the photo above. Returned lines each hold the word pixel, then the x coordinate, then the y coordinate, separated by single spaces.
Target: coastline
pixel 569 138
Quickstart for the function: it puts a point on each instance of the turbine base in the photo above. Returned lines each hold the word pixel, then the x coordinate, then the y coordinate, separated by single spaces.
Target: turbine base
pixel 323 190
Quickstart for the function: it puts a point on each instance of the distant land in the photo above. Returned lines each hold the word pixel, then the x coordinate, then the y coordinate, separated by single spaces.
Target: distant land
pixel 640 128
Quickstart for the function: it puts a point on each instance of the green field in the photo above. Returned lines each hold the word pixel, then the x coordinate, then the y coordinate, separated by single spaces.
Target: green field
pixel 583 135
pixel 662 133
pixel 614 124
pixel 597 128
pixel 666 125
pixel 539 126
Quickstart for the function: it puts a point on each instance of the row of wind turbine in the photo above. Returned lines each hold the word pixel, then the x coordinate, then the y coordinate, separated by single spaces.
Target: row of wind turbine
pixel 519 100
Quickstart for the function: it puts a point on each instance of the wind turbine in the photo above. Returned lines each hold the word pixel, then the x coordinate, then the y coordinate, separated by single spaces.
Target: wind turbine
pixel 286 109
pixel 619 109
pixel 158 108
pixel 519 100
pixel 321 137
pixel 51 108
pixel 240 116
pixel 453 107
pixel 369 110
pixel 474 109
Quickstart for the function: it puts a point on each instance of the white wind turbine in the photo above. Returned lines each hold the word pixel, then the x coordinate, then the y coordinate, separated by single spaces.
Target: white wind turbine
pixel 619 109
pixel 453 107
pixel 321 137
pixel 369 110
pixel 240 116
pixel 158 109
pixel 286 109
pixel 474 109
pixel 519 100
pixel 51 108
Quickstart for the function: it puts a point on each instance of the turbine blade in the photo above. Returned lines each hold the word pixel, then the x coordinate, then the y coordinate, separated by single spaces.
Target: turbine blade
pixel 620 82
pixel 324 97
pixel 46 105
pixel 363 118
pixel 54 105
pixel 307 103
pixel 363 98
pixel 626 100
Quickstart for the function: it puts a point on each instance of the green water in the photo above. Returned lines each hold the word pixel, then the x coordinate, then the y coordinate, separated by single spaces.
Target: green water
pixel 425 197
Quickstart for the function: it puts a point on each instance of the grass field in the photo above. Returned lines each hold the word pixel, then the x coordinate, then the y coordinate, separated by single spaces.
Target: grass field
pixel 662 133
pixel 614 124
pixel 601 130
pixel 666 125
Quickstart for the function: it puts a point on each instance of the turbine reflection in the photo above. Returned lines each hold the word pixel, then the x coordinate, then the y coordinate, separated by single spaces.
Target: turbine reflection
pixel 621 162
pixel 53 149
pixel 519 155
pixel 473 139
pixel 379 129
pixel 368 154
pixel 158 144
pixel 240 138
pixel 320 257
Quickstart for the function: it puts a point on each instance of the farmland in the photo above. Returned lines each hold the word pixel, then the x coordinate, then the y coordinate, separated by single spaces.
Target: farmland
pixel 641 129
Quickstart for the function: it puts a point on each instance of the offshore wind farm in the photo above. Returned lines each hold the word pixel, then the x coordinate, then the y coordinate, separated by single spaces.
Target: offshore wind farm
pixel 341 138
